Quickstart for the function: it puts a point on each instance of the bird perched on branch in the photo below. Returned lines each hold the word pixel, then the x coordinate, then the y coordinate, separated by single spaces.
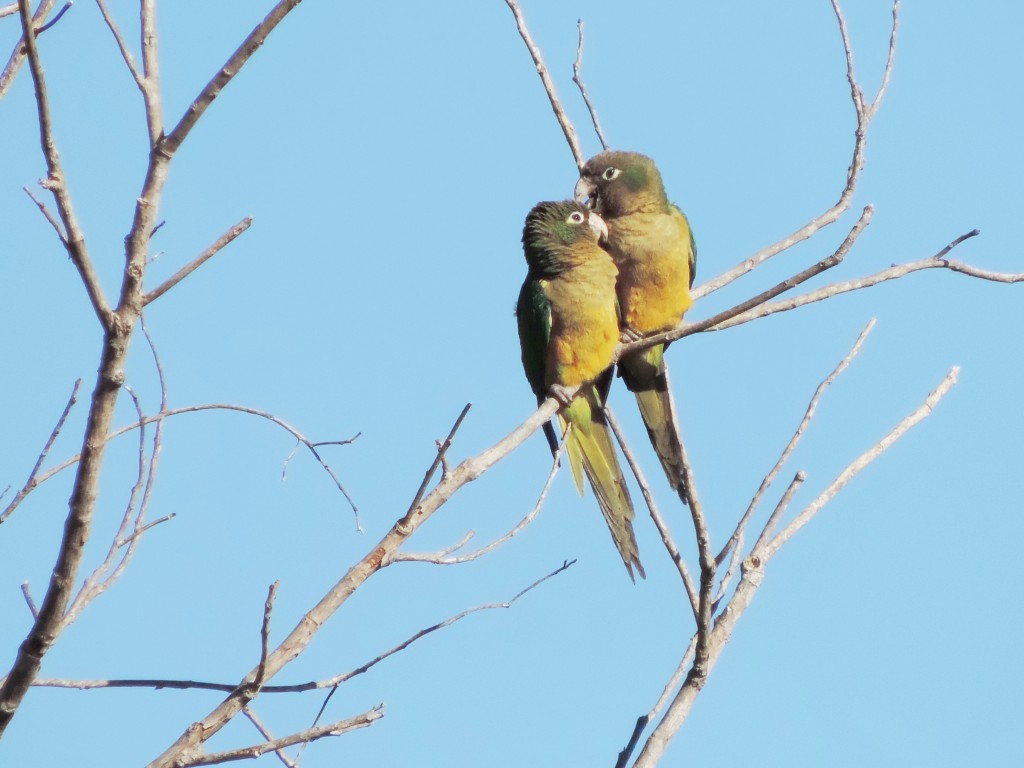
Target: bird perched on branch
pixel 568 330
pixel 652 245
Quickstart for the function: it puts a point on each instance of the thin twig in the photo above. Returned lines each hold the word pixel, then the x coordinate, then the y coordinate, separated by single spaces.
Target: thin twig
pixel 141 530
pixel 737 536
pixel 168 413
pixel 198 261
pixel 266 734
pixel 891 273
pixel 33 479
pixel 442 449
pixel 332 682
pixel 772 546
pixel 659 521
pixel 317 444
pixel 28 600
pixel 268 607
pixel 780 508
pixel 666 694
pixel 95 584
pixel 887 74
pixel 64 9
pixel 577 65
pixel 49 217
pixel 443 557
pixel 549 86
pixel 337 681
pixel 126 54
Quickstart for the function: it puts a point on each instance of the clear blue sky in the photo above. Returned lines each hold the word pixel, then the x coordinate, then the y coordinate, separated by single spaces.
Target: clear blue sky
pixel 388 156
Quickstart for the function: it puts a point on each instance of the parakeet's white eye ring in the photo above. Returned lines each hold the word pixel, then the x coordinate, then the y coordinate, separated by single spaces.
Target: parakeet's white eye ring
pixel 576 217
pixel 610 173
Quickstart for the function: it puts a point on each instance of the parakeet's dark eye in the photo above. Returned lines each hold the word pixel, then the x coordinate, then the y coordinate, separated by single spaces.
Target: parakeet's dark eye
pixel 610 173
pixel 576 218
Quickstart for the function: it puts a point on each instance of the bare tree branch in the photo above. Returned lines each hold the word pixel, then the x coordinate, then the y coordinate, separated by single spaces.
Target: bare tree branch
pixel 249 46
pixel 118 325
pixel 302 737
pixel 297 640
pixel 74 240
pixel 864 116
pixel 701 667
pixel 752 575
pixel 549 86
pixel 150 84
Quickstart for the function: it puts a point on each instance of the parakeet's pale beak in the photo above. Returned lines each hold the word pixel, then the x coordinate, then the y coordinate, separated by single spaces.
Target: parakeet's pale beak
pixel 585 190
pixel 598 225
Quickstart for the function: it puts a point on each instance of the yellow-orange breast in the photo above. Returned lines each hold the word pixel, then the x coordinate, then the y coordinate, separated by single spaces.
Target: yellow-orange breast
pixel 652 251
pixel 584 322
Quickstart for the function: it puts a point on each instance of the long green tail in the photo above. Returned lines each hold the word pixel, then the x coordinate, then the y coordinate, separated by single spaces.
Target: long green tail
pixel 592 451
pixel 646 377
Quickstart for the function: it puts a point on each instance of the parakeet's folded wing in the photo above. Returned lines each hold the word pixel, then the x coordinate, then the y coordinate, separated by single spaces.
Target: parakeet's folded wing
pixel 533 313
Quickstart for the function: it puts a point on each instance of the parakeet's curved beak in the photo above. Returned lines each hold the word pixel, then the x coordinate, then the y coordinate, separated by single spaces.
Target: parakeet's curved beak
pixel 585 190
pixel 598 225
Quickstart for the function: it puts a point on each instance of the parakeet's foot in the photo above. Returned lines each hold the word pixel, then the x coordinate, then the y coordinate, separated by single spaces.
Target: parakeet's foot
pixel 628 335
pixel 561 394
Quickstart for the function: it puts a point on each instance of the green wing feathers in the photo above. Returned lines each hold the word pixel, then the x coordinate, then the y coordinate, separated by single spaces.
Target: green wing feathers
pixel 533 314
pixel 590 444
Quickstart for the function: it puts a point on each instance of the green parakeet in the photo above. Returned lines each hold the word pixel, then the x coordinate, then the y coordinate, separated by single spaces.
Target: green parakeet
pixel 568 330
pixel 652 245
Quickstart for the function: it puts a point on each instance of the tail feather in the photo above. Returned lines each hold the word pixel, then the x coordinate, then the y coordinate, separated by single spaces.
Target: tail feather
pixel 591 440
pixel 575 454
pixel 646 376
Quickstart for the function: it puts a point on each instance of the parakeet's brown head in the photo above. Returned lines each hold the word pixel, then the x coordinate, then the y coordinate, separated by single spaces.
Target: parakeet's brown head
pixel 621 183
pixel 559 234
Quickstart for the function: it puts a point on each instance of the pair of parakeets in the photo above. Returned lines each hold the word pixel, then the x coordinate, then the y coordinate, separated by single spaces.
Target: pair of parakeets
pixel 616 263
